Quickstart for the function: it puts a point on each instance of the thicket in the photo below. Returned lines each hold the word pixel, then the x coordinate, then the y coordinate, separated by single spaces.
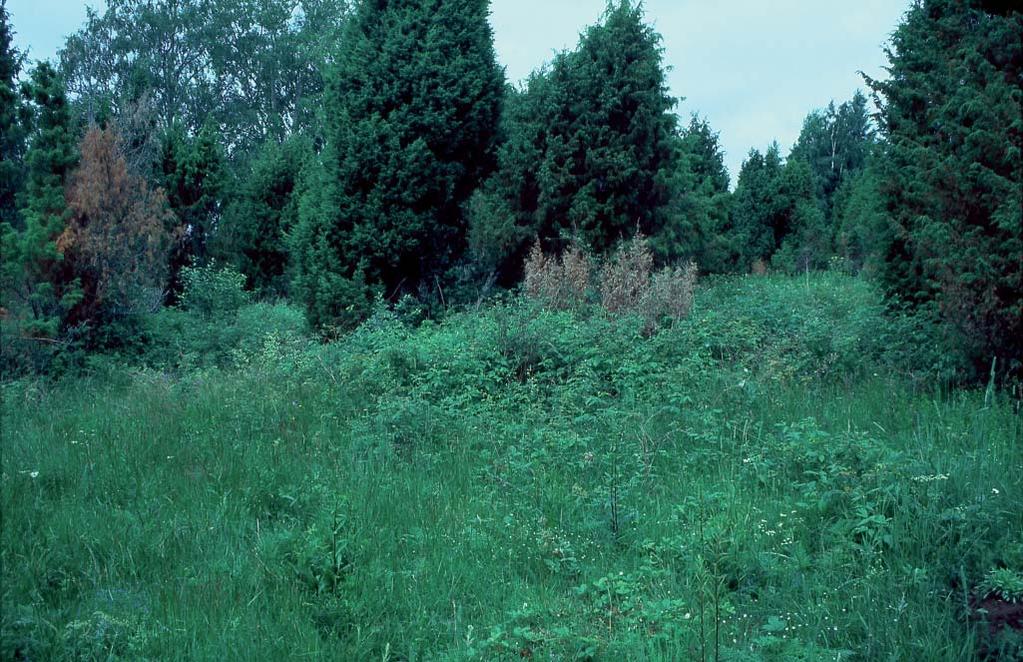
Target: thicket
pixel 951 173
pixel 763 480
pixel 352 153
pixel 624 283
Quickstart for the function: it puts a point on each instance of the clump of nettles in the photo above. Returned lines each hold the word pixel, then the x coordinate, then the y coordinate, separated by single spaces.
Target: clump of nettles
pixel 1004 583
pixel 625 284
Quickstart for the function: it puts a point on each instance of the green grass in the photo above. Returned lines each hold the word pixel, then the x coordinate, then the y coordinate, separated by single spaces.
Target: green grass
pixel 764 481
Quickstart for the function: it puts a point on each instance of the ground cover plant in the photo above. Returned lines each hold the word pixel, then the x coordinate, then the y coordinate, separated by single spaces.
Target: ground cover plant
pixel 769 478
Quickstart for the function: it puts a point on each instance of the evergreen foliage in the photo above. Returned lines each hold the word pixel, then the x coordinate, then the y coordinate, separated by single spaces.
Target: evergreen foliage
pixel 951 177
pixel 253 234
pixel 35 275
pixel 193 175
pixel 776 216
pixel 755 205
pixel 699 226
pixel 412 110
pixel 803 236
pixel 860 220
pixel 591 148
pixel 12 123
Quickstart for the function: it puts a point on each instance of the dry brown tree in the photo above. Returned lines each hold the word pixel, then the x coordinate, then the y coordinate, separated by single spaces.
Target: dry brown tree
pixel 118 239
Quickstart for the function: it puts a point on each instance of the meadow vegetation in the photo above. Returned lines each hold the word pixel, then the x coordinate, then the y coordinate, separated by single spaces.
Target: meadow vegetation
pixel 319 339
pixel 780 475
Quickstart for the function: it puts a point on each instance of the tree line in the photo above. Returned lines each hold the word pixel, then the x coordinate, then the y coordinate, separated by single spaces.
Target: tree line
pixel 340 153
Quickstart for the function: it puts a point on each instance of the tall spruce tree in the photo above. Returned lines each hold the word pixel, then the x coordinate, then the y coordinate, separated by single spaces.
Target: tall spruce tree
pixel 412 111
pixel 13 122
pixel 34 272
pixel 951 176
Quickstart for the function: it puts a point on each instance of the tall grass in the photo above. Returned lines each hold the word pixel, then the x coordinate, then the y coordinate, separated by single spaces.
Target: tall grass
pixel 762 481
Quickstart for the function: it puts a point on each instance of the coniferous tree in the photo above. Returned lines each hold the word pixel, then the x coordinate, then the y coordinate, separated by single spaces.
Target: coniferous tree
pixel 13 122
pixel 610 150
pixel 803 237
pixel 951 176
pixel 860 221
pixel 592 147
pixel 774 208
pixel 412 112
pixel 699 227
pixel 34 267
pixel 193 176
pixel 503 213
pixel 754 207
pixel 117 240
pixel 253 234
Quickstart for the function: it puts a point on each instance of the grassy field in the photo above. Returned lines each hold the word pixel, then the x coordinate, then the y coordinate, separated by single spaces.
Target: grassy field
pixel 767 480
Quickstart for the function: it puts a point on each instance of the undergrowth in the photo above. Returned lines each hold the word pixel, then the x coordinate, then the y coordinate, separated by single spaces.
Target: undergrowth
pixel 781 475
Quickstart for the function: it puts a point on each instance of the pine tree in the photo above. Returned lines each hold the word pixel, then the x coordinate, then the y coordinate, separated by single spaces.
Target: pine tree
pixel 951 176
pixel 35 272
pixel 412 110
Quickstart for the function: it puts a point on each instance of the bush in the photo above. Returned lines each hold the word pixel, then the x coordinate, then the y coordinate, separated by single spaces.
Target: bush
pixel 559 284
pixel 180 339
pixel 212 290
pixel 627 285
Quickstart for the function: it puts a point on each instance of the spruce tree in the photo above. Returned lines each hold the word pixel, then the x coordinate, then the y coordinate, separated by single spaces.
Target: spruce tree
pixel 412 111
pixel 951 176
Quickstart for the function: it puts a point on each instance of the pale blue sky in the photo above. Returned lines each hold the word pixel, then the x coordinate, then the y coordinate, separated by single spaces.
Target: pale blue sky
pixel 753 68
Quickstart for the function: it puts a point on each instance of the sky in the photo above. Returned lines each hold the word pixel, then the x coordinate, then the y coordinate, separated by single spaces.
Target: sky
pixel 754 69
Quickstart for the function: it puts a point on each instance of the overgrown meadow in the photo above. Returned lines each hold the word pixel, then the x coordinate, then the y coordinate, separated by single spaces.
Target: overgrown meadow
pixel 773 478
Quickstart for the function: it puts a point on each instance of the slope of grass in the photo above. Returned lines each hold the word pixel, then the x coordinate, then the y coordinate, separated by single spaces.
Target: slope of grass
pixel 760 482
